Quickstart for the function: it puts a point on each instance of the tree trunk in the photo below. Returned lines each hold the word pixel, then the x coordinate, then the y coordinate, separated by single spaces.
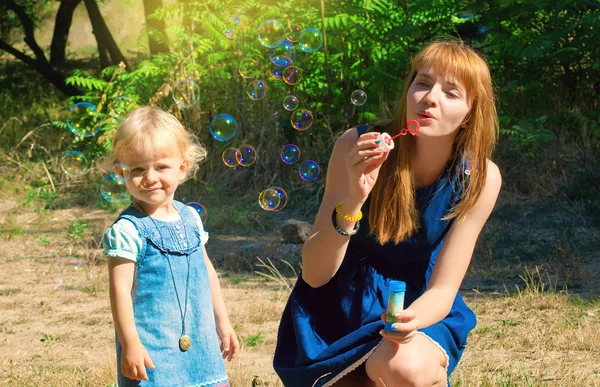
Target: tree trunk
pixel 62 24
pixel 103 35
pixel 155 46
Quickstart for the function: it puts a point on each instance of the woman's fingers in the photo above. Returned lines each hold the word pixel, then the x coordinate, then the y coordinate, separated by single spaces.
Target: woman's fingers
pixel 360 156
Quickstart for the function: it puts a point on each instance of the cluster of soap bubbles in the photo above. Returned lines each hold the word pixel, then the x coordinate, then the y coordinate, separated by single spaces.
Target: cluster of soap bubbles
pixel 244 156
pixel 309 170
pixel 273 199
pixel 283 45
pixel 84 120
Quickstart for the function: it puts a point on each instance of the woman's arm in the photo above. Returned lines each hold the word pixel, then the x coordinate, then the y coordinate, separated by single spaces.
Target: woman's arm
pixel 353 169
pixel 454 258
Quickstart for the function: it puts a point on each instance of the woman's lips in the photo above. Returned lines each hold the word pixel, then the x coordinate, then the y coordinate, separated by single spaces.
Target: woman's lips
pixel 423 117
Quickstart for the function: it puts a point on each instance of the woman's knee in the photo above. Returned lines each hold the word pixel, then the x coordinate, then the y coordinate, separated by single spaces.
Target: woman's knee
pixel 402 365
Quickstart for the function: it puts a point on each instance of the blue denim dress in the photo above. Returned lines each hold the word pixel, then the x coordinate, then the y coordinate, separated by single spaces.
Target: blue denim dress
pixel 327 332
pixel 156 310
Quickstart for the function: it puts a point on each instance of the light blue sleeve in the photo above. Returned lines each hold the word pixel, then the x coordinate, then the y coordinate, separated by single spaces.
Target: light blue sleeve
pixel 203 234
pixel 122 240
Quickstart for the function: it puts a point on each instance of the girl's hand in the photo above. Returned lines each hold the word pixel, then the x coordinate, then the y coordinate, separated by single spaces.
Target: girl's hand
pixel 134 360
pixel 403 331
pixel 230 346
pixel 363 163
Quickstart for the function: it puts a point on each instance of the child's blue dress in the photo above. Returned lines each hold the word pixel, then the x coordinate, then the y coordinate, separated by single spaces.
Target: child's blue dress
pixel 327 332
pixel 156 310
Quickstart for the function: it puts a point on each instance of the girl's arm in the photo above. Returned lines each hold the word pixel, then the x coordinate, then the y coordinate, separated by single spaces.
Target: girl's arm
pixel 229 342
pixel 134 357
pixel 120 274
pixel 454 258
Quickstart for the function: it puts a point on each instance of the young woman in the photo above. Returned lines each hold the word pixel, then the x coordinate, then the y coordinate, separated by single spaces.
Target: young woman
pixel 425 203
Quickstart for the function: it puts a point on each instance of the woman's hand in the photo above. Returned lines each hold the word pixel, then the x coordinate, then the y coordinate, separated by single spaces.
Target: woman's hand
pixel 134 360
pixel 363 163
pixel 230 346
pixel 403 331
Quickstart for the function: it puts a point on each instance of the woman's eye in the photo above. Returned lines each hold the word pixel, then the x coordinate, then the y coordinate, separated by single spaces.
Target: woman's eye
pixel 421 84
pixel 452 94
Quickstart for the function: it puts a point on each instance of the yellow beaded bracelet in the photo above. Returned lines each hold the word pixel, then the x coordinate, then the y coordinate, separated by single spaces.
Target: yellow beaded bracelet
pixel 338 210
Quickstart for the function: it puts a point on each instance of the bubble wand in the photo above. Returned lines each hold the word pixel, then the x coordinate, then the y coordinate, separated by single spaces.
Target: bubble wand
pixel 387 144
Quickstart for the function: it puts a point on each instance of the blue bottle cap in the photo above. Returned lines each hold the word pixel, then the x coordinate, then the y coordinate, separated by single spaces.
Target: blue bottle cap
pixel 397 286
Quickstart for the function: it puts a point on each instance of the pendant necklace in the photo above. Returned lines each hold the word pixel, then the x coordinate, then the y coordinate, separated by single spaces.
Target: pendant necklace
pixel 185 342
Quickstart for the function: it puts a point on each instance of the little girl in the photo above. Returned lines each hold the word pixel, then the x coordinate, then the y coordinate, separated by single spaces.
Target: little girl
pixel 165 297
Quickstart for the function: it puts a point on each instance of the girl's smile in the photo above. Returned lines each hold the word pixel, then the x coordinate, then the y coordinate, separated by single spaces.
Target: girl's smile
pixel 153 180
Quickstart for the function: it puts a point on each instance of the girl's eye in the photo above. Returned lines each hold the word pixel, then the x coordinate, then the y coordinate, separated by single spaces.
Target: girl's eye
pixel 452 94
pixel 421 84
pixel 137 170
pixel 161 167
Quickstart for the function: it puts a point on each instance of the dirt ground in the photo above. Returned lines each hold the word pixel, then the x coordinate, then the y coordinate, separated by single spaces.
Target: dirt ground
pixel 56 327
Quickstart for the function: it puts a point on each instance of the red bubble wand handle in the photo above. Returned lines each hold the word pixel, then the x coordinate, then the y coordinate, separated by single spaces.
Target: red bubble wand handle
pixel 412 127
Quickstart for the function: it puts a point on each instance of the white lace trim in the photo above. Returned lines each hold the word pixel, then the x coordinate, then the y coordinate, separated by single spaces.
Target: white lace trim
pixel 221 382
pixel 363 359
pixel 351 368
pixel 441 349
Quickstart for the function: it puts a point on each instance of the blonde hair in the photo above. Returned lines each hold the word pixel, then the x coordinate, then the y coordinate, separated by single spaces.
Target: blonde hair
pixel 393 214
pixel 156 131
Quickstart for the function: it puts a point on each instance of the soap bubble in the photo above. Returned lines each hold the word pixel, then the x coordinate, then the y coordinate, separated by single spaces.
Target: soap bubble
pixel 301 119
pixel 73 163
pixel 283 55
pixel 256 90
pixel 234 19
pixel 311 40
pixel 186 93
pixel 248 68
pixel 276 73
pixel 290 102
pixel 294 34
pixel 283 198
pixel 223 127
pixel 229 157
pixel 271 33
pixel 83 119
pixel 121 169
pixel 228 34
pixel 290 154
pixel 309 170
pixel 200 210
pixel 292 75
pixel 113 188
pixel 358 97
pixel 246 155
pixel 269 199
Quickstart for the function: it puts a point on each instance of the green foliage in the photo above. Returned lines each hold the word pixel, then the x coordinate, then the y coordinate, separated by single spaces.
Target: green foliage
pixel 77 229
pixel 8 230
pixel 254 340
pixel 542 55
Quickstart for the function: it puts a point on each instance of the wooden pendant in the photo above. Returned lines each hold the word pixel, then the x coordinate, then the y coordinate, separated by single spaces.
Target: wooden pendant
pixel 185 342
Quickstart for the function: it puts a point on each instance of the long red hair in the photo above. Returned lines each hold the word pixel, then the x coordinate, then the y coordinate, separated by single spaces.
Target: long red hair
pixel 393 214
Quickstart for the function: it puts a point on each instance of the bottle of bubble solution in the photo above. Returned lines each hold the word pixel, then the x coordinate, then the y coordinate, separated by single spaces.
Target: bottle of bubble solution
pixel 395 303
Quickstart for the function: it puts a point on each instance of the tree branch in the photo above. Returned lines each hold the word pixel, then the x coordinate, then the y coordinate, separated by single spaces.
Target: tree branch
pixel 18 54
pixel 28 27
